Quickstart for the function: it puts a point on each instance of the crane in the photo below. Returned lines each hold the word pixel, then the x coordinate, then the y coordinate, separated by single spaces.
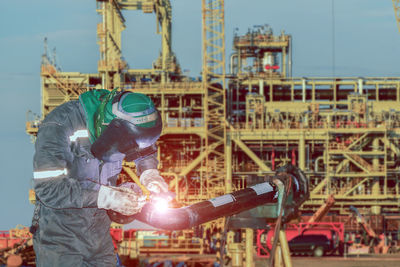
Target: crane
pixel 361 220
pixel 380 239
pixel 320 213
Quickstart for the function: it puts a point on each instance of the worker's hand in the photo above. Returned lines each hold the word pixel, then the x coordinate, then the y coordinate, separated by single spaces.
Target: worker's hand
pixel 152 180
pixel 133 186
pixel 120 199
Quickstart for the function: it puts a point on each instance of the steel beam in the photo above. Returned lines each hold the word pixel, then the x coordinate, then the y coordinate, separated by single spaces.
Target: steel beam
pixel 252 155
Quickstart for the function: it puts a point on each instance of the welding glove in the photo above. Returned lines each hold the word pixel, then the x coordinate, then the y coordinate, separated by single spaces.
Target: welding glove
pixel 152 180
pixel 120 199
pixel 132 186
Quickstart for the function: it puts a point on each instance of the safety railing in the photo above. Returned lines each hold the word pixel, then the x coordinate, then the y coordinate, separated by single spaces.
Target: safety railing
pixel 316 125
pixel 171 245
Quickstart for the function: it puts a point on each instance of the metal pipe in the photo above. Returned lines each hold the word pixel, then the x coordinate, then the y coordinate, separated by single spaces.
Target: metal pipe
pixel 225 205
pixel 205 211
pixel 303 86
pixel 317 162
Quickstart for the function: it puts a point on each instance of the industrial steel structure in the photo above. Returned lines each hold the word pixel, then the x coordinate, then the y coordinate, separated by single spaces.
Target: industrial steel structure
pixel 228 130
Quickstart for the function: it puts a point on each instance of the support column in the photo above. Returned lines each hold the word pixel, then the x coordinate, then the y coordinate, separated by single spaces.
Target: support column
pixel 375 190
pixel 360 86
pixel 285 249
pixel 249 247
pixel 229 167
pixel 335 96
pixel 302 152
pixel 313 93
pixel 284 62
pixel 328 166
pixel 271 91
pixel 261 87
pixel 236 250
pixel 218 248
pixel 239 65
pixel 278 261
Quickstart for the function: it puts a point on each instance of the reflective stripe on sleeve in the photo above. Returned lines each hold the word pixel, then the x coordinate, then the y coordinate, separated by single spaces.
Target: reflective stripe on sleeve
pixel 79 134
pixel 49 174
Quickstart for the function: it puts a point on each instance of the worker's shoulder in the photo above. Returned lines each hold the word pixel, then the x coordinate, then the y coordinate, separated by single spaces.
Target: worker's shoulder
pixel 64 113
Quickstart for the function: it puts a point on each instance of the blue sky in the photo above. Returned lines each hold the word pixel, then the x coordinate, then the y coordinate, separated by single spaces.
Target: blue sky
pixel 367 43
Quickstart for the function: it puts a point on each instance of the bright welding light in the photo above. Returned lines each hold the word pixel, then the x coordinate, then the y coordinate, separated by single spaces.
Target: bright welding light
pixel 160 204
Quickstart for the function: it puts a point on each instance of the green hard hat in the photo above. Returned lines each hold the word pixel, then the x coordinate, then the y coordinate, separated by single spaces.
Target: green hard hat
pixel 135 107
pixel 102 106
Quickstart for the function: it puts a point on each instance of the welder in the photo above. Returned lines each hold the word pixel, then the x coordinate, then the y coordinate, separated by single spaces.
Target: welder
pixel 79 151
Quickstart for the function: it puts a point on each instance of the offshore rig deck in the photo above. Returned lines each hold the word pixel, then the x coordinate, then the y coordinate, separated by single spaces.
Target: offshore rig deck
pixel 227 130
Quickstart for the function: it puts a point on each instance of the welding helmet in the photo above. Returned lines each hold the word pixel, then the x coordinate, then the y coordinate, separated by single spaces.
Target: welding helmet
pixel 133 130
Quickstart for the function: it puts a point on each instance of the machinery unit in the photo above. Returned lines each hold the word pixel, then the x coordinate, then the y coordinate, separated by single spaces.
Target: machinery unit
pixel 16 243
pixel 260 52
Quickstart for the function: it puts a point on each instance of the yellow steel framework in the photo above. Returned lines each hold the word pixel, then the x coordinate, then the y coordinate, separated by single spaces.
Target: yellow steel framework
pixel 166 65
pixel 312 122
pixel 214 88
pixel 109 31
pixel 343 132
